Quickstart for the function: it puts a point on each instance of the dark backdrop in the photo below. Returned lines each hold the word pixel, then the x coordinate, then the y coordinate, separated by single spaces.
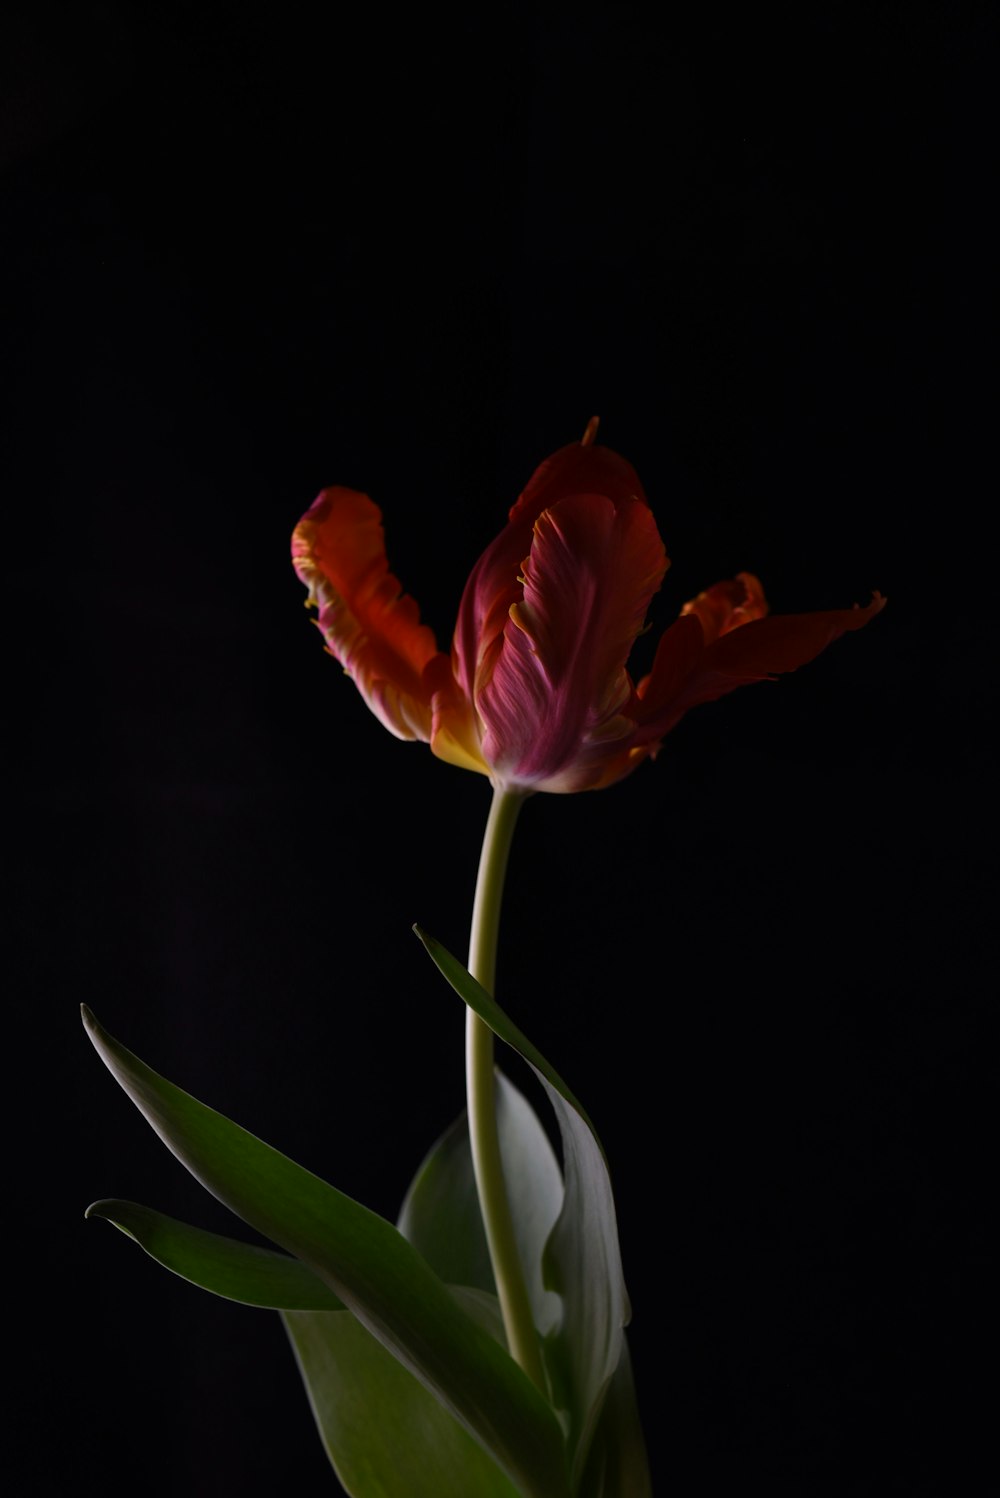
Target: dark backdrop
pixel 251 256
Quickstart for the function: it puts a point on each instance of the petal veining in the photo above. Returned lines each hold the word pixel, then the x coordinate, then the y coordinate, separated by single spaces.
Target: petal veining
pixel 493 585
pixel 557 701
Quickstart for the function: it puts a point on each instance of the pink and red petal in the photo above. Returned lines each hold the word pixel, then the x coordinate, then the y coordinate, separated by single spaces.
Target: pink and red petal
pixel 493 586
pixel 373 629
pixel 557 702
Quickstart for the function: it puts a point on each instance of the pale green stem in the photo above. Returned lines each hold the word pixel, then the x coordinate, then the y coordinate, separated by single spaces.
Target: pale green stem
pixel 515 1307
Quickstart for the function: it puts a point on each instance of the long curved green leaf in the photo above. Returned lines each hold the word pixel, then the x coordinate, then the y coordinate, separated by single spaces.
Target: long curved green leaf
pixel 237 1271
pixel 368 1264
pixel 582 1258
pixel 441 1218
pixel 386 1436
pixel 384 1432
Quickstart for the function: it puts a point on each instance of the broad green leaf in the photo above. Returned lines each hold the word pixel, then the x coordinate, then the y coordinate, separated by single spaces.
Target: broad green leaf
pixel 617 1466
pixel 484 1309
pixel 441 1216
pixel 582 1258
pixel 386 1436
pixel 384 1432
pixel 368 1264
pixel 237 1271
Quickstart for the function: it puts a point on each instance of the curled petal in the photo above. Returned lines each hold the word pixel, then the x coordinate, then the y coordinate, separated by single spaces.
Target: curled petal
pixel 579 468
pixel 373 629
pixel 727 605
pixel 559 696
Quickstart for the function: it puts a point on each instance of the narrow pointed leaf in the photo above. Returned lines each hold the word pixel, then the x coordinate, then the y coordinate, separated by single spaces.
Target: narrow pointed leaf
pixel 441 1215
pixel 237 1271
pixel 367 1263
pixel 582 1258
pixel 386 1436
pixel 486 1006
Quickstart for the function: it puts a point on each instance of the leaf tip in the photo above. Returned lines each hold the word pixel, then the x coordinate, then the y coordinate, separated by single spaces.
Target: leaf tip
pixel 101 1211
pixel 110 1211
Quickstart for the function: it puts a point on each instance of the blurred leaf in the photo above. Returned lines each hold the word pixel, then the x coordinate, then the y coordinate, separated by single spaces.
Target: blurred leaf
pixel 238 1271
pixel 582 1258
pixel 440 1212
pixel 441 1216
pixel 617 1465
pixel 368 1264
pixel 583 1264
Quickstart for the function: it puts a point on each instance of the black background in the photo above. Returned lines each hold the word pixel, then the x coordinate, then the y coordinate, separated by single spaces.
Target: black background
pixel 252 256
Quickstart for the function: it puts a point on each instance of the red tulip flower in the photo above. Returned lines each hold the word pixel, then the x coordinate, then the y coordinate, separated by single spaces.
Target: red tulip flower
pixel 536 693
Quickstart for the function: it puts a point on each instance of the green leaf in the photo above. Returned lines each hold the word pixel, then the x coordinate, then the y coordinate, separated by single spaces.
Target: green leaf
pixel 238 1271
pixel 582 1258
pixel 489 1011
pixel 441 1216
pixel 384 1432
pixel 583 1264
pixel 368 1264
pixel 440 1213
pixel 386 1436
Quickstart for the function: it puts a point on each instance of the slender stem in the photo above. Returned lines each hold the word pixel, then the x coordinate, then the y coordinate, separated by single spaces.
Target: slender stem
pixel 515 1307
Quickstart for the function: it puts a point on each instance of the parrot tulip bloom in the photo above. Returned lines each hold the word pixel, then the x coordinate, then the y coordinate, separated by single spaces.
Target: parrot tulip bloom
pixel 536 693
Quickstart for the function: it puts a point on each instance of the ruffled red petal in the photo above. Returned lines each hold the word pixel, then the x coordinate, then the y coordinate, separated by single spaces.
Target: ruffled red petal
pixel 728 605
pixel 687 672
pixel 784 642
